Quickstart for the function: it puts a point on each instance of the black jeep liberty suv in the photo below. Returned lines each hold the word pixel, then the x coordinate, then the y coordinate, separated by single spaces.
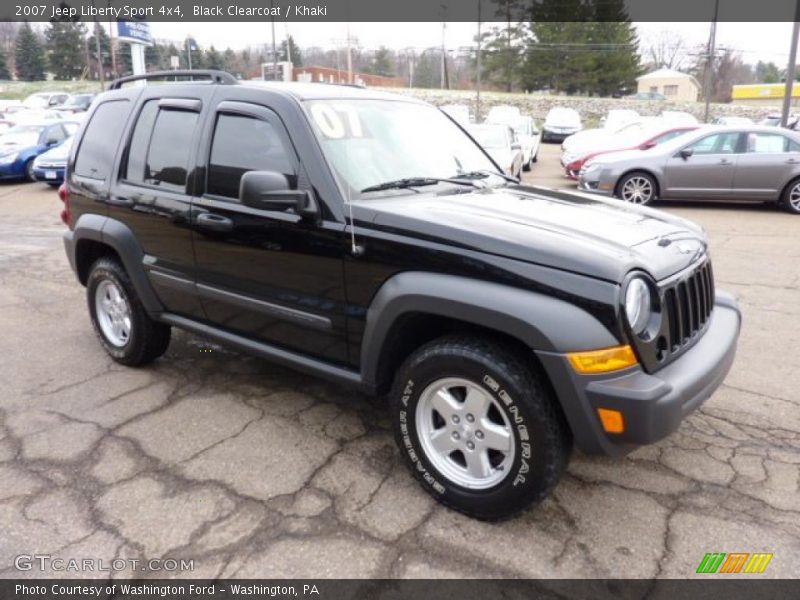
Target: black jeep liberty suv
pixel 366 238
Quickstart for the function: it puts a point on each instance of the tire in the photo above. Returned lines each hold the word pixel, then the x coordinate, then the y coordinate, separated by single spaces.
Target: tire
pixel 29 176
pixel 790 199
pixel 536 156
pixel 126 331
pixel 519 417
pixel 637 188
pixel 527 165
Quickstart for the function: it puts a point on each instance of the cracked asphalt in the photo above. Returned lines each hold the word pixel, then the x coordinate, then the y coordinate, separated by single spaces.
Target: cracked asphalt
pixel 252 470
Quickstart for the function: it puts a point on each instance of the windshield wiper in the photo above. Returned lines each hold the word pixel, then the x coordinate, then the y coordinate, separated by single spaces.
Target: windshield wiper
pixel 409 182
pixel 483 174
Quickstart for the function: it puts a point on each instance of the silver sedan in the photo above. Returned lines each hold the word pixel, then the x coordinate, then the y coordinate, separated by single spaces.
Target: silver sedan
pixel 711 163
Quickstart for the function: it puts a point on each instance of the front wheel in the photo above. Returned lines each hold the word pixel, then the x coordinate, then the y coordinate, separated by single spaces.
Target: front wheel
pixel 29 176
pixel 127 332
pixel 637 188
pixel 477 427
pixel 791 197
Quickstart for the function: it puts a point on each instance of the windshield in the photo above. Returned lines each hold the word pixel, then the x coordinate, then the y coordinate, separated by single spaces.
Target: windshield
pixel 369 142
pixel 77 101
pixel 563 116
pixel 25 130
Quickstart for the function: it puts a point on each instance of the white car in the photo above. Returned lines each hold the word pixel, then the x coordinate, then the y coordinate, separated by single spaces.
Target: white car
pixel 501 144
pixel 740 121
pixel 617 117
pixel 34 116
pixel 679 117
pixel 503 113
pixel 459 112
pixel 42 100
pixel 528 135
pixel 560 123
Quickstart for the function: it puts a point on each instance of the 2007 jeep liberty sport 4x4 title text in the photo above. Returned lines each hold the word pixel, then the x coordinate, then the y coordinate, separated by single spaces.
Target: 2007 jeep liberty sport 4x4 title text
pixel 366 238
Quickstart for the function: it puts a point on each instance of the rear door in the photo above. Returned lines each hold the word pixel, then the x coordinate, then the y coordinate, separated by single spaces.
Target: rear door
pixel 265 274
pixel 151 195
pixel 767 164
pixel 707 173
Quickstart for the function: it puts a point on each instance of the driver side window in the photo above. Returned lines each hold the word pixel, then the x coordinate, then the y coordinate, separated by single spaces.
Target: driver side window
pixel 719 143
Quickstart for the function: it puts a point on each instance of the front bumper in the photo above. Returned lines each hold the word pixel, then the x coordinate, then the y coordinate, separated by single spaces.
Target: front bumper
pixel 595 184
pixel 51 175
pixel 653 404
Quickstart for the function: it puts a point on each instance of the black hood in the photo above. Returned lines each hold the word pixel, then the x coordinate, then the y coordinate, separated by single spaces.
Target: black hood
pixel 592 236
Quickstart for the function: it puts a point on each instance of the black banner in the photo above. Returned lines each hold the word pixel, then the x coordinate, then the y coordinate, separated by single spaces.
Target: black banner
pixel 394 11
pixel 711 588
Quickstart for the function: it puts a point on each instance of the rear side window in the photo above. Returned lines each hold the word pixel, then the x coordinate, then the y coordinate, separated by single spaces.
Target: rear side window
pixel 99 143
pixel 244 144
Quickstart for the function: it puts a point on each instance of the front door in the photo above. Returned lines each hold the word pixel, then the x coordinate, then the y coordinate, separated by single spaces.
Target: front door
pixel 768 162
pixel 707 173
pixel 265 274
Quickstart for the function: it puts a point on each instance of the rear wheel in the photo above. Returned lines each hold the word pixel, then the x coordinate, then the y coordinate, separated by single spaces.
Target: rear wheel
pixel 791 197
pixel 637 188
pixel 477 427
pixel 527 165
pixel 126 331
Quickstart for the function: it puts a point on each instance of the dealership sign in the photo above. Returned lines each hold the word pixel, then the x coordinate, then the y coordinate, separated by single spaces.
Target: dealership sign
pixel 134 32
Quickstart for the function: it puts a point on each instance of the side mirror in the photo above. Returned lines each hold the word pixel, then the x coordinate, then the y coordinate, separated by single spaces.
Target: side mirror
pixel 686 153
pixel 270 190
pixel 648 145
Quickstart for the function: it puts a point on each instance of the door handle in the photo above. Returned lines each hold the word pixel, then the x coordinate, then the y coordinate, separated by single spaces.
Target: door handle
pixel 792 161
pixel 214 222
pixel 122 200
pixel 725 162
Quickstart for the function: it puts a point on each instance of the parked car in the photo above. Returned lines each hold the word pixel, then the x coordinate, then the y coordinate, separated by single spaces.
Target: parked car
pixel 34 116
pixel 617 117
pixel 588 139
pixel 711 163
pixel 49 167
pixel 76 104
pixel 742 121
pixel 503 113
pixel 21 144
pixel 42 100
pixel 774 120
pixel 502 322
pixel 527 134
pixel 501 144
pixel 679 117
pixel 559 123
pixel 651 137
pixel 9 106
pixel 460 112
pixel 655 96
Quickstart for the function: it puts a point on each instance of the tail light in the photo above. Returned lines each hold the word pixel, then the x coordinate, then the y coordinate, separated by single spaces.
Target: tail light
pixel 63 194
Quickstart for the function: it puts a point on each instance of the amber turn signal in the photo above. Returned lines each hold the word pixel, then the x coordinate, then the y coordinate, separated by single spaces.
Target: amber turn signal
pixel 612 420
pixel 603 361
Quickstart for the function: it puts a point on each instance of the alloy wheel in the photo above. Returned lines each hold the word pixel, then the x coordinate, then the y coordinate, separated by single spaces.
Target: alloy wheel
pixel 637 190
pixel 113 313
pixel 794 198
pixel 465 433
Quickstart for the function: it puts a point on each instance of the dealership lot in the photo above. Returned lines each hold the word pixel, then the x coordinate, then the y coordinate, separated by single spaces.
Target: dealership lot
pixel 251 470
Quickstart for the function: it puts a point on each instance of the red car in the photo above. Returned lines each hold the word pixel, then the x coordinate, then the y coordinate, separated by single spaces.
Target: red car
pixel 574 168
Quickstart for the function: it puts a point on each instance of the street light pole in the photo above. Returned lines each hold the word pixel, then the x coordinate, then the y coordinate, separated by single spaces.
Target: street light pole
pixel 478 66
pixel 790 68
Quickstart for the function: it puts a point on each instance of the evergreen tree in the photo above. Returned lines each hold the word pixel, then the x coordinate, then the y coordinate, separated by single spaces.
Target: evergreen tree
pixel 4 72
pixel 104 60
pixel 29 55
pixel 230 61
pixel 768 72
pixel 383 62
pixel 64 41
pixel 294 50
pixel 213 59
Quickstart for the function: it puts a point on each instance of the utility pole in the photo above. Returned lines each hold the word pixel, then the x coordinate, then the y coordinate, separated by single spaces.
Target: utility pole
pixel 288 45
pixel 712 40
pixel 189 51
pixel 790 69
pixel 444 57
pixel 274 48
pixel 478 76
pixel 349 57
pixel 99 55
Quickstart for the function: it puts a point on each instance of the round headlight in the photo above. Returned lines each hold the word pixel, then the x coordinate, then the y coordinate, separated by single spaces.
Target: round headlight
pixel 637 304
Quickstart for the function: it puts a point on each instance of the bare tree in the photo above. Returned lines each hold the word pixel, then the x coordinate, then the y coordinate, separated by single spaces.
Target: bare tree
pixel 665 50
pixel 8 35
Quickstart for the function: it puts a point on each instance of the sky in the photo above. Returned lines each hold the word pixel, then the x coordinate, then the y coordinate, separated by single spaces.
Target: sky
pixel 755 41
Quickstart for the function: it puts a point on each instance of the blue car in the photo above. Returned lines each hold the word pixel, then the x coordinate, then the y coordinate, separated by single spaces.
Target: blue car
pixel 22 143
pixel 50 166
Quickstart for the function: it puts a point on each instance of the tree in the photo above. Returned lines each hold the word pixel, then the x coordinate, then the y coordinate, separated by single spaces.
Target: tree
pixel 29 55
pixel 66 55
pixel 4 72
pixel 503 52
pixel 290 48
pixel 666 50
pixel 383 62
pixel 213 59
pixel 104 60
pixel 427 70
pixel 8 35
pixel 768 72
pixel 728 70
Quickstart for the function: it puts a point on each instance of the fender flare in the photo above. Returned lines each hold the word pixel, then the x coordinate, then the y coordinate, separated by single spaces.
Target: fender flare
pixel 122 240
pixel 541 322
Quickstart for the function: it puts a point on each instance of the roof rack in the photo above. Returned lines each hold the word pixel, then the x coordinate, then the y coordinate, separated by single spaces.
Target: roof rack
pixel 218 77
